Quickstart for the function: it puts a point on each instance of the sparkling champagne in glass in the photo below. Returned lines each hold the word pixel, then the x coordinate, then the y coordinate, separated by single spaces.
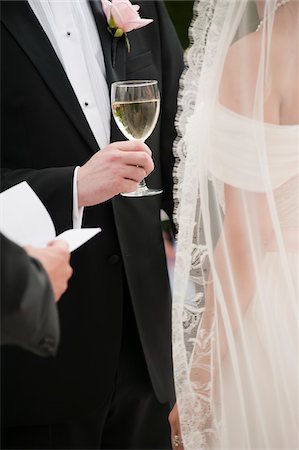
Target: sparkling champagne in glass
pixel 135 108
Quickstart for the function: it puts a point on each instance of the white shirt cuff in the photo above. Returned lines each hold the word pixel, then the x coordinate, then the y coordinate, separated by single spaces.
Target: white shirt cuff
pixel 77 212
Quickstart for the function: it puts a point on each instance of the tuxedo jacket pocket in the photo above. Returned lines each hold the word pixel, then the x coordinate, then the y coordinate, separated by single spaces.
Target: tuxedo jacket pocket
pixel 139 62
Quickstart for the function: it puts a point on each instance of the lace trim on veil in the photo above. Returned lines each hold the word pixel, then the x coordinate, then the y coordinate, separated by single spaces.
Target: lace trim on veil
pixel 192 255
pixel 201 311
pixel 194 56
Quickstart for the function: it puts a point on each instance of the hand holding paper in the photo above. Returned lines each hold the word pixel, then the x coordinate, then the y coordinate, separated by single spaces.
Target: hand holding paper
pixel 55 259
pixel 25 220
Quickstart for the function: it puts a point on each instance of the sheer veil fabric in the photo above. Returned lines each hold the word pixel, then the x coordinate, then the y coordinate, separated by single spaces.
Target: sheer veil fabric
pixel 235 306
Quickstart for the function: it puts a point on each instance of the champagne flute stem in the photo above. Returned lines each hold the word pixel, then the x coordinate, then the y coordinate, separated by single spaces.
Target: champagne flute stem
pixel 142 184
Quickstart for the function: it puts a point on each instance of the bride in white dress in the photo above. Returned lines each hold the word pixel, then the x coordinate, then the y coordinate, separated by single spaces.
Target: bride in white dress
pixel 235 335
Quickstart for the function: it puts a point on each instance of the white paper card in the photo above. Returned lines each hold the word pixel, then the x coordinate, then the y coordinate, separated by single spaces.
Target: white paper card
pixel 76 238
pixel 25 220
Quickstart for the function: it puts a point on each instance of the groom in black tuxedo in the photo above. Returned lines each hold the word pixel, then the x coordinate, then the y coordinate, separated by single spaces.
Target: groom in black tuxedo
pixel 110 384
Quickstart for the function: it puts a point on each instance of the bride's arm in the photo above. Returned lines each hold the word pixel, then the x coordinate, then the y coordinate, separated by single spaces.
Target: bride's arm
pixel 246 235
pixel 247 230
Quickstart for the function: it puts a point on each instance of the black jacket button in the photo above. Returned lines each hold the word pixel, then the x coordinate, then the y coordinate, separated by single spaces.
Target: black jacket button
pixel 113 259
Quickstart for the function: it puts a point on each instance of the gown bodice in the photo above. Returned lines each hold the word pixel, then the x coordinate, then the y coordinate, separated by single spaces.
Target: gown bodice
pixel 257 157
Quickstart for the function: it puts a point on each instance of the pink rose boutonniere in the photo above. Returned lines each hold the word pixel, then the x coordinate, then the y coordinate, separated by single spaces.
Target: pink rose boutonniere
pixel 122 18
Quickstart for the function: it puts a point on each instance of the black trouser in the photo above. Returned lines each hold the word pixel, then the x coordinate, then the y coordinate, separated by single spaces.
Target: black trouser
pixel 133 418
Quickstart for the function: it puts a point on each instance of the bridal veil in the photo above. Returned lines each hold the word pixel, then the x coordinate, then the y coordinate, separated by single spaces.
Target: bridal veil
pixel 235 306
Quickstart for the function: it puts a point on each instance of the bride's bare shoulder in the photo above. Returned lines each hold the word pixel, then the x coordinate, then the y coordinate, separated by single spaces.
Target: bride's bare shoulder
pixel 238 85
pixel 239 74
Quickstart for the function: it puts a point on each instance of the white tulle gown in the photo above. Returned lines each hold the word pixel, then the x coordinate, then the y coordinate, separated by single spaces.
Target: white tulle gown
pixel 254 394
pixel 236 334
pixel 268 415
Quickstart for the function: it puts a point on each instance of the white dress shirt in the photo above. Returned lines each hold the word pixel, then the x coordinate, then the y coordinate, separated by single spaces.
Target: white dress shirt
pixel 71 29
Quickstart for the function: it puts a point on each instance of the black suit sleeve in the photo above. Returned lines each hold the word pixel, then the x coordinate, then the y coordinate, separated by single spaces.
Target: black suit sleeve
pixel 172 68
pixel 29 316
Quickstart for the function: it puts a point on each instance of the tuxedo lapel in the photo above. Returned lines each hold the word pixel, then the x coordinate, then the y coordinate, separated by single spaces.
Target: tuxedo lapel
pixel 115 56
pixel 20 20
pixel 114 49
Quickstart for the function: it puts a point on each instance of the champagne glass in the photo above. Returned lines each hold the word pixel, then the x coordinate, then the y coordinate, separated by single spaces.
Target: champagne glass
pixel 135 108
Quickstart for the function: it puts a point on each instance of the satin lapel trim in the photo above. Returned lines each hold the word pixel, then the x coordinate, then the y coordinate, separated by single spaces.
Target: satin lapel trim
pixel 114 49
pixel 24 26
pixel 115 54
